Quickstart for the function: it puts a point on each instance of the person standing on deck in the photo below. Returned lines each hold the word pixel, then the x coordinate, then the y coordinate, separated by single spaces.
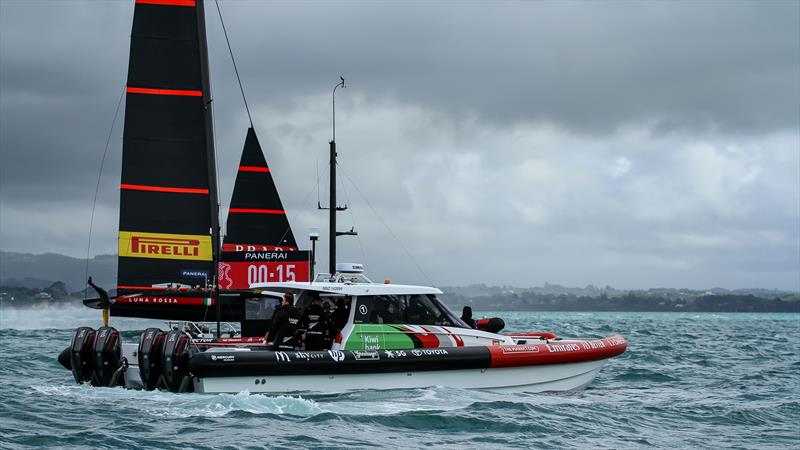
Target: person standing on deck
pixel 284 324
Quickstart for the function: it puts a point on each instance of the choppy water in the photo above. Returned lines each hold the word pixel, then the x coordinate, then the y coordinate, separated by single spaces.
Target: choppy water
pixel 687 381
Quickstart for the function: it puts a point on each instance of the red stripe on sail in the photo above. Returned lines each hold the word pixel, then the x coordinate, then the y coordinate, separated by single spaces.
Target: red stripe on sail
pixel 178 92
pixel 256 211
pixel 253 169
pixel 167 2
pixel 139 187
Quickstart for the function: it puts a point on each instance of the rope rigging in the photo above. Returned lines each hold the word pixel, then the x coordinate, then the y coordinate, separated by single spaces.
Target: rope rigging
pixel 233 60
pixel 97 186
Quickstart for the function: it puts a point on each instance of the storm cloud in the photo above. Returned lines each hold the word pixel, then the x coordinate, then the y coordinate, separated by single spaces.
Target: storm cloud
pixel 632 144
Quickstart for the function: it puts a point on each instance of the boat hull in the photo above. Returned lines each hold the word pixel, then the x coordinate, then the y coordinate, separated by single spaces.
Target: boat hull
pixel 547 378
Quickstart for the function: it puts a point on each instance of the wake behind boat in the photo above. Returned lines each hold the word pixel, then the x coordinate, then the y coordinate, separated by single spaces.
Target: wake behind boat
pixel 174 265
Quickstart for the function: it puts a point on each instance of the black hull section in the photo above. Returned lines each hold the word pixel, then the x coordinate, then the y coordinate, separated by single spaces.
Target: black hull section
pixel 266 363
pixel 231 310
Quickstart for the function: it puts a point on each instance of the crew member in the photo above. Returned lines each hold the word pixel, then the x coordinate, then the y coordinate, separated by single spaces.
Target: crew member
pixel 466 317
pixel 316 324
pixel 342 313
pixel 284 325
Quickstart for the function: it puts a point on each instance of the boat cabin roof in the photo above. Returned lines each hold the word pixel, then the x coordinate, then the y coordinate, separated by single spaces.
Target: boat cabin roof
pixel 346 288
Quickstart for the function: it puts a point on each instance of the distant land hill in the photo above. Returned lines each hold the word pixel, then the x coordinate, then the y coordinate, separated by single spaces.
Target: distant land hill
pixel 40 271
pixel 552 297
pixel 31 280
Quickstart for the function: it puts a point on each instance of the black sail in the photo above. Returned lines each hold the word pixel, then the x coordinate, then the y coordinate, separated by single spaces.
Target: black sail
pixel 256 217
pixel 168 191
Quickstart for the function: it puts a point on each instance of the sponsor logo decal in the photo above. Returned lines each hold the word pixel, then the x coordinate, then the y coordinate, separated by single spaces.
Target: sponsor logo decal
pixel 556 348
pixel 165 246
pixel 366 355
pixel 395 353
pixel 282 357
pixel 520 349
pixel 308 356
pixel 194 273
pixel 223 358
pixel 429 352
pixel 336 355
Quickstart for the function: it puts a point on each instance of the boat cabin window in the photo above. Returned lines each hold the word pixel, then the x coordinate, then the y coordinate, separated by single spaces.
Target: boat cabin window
pixel 260 308
pixel 416 309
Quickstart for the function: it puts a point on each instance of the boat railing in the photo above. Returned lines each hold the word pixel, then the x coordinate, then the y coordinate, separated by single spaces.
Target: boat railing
pixel 204 329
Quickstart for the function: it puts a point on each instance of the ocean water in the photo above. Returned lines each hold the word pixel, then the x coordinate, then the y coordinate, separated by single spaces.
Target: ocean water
pixel 686 381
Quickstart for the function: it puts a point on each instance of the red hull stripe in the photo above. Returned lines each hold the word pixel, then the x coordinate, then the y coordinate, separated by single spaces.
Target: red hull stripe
pixel 256 211
pixel 557 352
pixel 148 288
pixel 167 2
pixel 253 169
pixel 139 187
pixel 179 92
pixel 155 300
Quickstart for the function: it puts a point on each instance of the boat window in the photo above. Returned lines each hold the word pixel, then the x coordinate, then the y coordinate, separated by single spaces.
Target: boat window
pixel 416 309
pixel 260 308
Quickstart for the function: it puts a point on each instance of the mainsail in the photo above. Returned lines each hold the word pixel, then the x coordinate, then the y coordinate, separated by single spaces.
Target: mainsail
pixel 256 218
pixel 168 203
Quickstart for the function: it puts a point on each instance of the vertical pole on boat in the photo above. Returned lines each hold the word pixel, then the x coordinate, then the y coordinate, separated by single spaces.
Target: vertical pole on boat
pixel 332 205
pixel 210 155
pixel 106 315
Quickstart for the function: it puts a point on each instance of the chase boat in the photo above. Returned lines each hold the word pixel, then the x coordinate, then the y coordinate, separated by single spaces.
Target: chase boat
pixel 396 336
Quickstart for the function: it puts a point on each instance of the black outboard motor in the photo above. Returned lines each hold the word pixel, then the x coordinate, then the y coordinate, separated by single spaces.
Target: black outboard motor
pixel 107 356
pixel 175 365
pixel 151 347
pixel 81 354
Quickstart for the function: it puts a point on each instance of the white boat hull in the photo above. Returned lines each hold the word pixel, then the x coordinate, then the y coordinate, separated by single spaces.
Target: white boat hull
pixel 544 378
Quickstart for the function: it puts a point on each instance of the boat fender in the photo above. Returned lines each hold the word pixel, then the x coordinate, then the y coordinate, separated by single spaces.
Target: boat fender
pixel 175 362
pixel 493 325
pixel 149 356
pixel 81 354
pixel 107 356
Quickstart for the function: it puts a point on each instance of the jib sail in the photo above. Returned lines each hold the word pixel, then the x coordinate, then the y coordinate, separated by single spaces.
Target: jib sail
pixel 168 204
pixel 256 218
pixel 259 245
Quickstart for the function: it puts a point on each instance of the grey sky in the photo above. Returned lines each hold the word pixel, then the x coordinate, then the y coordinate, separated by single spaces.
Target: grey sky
pixel 632 144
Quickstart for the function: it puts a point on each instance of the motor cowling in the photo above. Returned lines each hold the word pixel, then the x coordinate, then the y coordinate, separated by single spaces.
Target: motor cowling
pixel 81 361
pixel 107 356
pixel 150 355
pixel 175 362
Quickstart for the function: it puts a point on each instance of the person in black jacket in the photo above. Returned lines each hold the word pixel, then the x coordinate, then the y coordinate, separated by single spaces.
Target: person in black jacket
pixel 466 316
pixel 316 324
pixel 284 325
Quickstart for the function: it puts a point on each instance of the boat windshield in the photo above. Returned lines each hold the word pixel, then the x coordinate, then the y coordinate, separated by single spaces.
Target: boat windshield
pixel 415 309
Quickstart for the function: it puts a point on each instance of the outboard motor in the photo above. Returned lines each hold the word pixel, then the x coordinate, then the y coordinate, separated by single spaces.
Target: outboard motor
pixel 151 347
pixel 493 325
pixel 175 365
pixel 81 354
pixel 107 356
